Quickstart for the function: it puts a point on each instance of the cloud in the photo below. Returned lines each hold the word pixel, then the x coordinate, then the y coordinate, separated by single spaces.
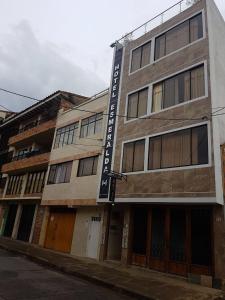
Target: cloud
pixel 38 69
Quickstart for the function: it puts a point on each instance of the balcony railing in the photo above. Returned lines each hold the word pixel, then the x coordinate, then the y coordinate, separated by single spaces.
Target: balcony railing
pixel 34 124
pixel 29 154
pixel 156 21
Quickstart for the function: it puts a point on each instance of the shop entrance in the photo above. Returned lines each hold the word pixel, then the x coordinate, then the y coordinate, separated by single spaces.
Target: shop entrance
pixel 172 239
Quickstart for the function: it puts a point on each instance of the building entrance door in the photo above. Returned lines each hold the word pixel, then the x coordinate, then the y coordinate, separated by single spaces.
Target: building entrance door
pixel 115 234
pixel 60 229
pixel 93 237
pixel 172 239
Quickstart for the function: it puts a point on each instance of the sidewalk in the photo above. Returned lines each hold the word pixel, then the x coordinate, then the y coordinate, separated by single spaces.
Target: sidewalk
pixel 133 281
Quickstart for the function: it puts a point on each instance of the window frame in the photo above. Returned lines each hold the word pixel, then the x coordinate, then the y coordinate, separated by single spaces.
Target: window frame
pixel 134 142
pixel 202 11
pixel 147 137
pixel 150 93
pixel 98 117
pixel 58 166
pixel 163 81
pixel 63 132
pixel 138 96
pixel 150 58
pixel 95 158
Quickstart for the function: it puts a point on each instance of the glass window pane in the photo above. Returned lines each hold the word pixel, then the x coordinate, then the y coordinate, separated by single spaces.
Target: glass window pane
pixel 95 165
pixel 169 92
pixel 157 97
pixel 139 150
pixel 132 108
pixel 98 127
pixel 196 28
pixel 146 50
pixel 197 83
pixel 160 46
pixel 136 59
pixel 176 149
pixel 200 153
pixel 142 102
pixel 128 154
pixel 177 37
pixel 154 160
pixel 68 168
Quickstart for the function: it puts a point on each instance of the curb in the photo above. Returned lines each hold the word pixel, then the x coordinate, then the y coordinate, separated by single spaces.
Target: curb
pixel 93 279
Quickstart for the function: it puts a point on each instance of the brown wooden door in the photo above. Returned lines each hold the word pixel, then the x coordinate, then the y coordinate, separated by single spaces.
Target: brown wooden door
pixel 59 232
pixel 177 241
pixel 158 239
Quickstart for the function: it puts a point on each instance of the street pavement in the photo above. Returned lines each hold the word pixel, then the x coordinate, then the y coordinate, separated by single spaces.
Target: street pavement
pixel 22 279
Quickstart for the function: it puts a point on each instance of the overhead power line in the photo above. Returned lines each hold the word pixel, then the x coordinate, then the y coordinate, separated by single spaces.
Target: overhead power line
pixel 20 95
pixel 125 116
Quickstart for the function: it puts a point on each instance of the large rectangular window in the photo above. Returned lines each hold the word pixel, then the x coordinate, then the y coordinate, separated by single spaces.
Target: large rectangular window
pixel 140 57
pixel 91 125
pixel 60 173
pixel 88 166
pixel 181 148
pixel 133 156
pixel 183 87
pixel 179 36
pixel 14 186
pixel 137 104
pixel 66 135
pixel 35 182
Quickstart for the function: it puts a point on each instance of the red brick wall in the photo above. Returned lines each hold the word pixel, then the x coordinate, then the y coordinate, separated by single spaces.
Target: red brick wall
pixel 38 224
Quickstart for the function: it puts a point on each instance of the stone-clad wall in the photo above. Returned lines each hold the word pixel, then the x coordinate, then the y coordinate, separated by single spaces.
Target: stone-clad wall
pixel 193 182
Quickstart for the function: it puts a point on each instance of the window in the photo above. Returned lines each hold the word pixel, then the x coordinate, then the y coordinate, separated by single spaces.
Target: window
pixel 66 135
pixel 179 36
pixel 14 186
pixel 133 156
pixel 88 166
pixel 91 125
pixel 137 104
pixel 181 148
pixel 60 173
pixel 178 89
pixel 35 182
pixel 141 57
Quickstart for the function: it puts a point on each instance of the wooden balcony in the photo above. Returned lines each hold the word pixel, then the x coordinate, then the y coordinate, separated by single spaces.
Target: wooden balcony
pixel 37 129
pixel 30 163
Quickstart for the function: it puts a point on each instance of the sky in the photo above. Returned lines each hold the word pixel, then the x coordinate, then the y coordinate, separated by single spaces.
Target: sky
pixel 50 45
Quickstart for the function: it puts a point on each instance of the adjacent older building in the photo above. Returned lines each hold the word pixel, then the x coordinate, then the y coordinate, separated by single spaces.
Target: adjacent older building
pixel 168 84
pixel 73 220
pixel 26 141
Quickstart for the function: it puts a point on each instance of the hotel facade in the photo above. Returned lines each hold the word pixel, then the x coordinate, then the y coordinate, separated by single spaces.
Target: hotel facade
pixel 168 212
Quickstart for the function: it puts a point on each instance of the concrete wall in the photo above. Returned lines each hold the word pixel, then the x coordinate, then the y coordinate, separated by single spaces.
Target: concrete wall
pixel 79 188
pixel 216 29
pixel 81 229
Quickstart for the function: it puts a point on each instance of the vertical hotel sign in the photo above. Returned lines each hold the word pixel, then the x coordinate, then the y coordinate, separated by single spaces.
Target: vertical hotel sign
pixel 111 123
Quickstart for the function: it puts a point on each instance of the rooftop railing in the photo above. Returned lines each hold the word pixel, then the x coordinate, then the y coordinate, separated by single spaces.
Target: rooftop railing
pixel 156 21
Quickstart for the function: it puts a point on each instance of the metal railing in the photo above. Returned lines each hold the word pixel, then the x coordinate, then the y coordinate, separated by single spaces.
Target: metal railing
pixel 29 154
pixel 156 21
pixel 34 123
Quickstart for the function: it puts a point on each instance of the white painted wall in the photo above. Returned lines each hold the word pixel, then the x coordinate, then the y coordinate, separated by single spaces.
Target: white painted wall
pixel 216 32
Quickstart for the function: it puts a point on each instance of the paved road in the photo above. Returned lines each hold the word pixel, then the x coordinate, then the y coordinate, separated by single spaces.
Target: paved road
pixel 21 279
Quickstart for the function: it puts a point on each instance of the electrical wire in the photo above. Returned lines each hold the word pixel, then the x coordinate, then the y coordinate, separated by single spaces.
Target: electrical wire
pixel 20 95
pixel 124 116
